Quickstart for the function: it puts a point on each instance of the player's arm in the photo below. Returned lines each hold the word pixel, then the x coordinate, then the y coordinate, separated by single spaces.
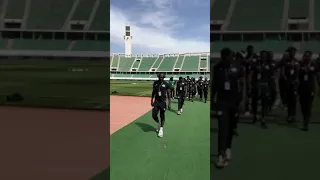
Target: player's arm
pixel 153 94
pixel 215 82
pixel 168 93
pixel 242 77
pixel 283 72
pixel 177 88
pixel 318 74
pixel 250 76
pixel 297 77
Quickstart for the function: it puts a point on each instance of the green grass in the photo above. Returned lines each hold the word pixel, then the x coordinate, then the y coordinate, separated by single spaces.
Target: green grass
pixel 133 88
pixel 183 153
pixel 56 83
pixel 103 175
pixel 277 153
pixel 281 152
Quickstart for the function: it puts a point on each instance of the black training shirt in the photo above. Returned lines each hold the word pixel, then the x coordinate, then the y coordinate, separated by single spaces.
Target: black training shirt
pixel 181 88
pixel 205 85
pixel 160 90
pixel 226 82
pixel 307 76
pixel 192 85
pixel 291 71
pixel 200 84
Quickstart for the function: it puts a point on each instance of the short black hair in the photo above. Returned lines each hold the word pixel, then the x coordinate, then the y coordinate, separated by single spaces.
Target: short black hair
pixel 161 75
pixel 249 47
pixel 305 52
pixel 291 48
pixel 225 52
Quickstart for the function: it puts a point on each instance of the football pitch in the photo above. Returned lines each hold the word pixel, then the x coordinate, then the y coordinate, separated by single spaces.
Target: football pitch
pixel 282 151
pixel 77 84
pixel 183 153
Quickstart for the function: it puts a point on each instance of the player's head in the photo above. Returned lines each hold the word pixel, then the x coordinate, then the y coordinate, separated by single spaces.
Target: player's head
pixel 292 51
pixel 226 54
pixel 188 77
pixel 250 49
pixel 180 78
pixel 161 76
pixel 264 55
pixel 307 56
pixel 171 78
pixel 206 79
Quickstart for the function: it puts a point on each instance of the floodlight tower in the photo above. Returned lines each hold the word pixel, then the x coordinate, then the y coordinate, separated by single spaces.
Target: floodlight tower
pixel 127 41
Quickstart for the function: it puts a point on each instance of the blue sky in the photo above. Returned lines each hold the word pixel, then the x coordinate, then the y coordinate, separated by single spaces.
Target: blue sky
pixel 161 26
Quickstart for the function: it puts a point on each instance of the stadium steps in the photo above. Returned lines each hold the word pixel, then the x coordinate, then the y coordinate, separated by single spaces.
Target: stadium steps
pixel 125 63
pixel 157 62
pixel 317 15
pixel 146 63
pixel 220 9
pixel 179 61
pixel 91 45
pixel 115 61
pixel 136 63
pixel 312 15
pixel 298 8
pixel 263 15
pixel 285 15
pixel 26 14
pixel 102 15
pixel 93 15
pixel 40 44
pixel 70 15
pixel 3 8
pixel 203 63
pixel 9 44
pixel 167 63
pixel 71 45
pixel 229 15
pixel 83 10
pixel 49 15
pixel 191 63
pixel 15 9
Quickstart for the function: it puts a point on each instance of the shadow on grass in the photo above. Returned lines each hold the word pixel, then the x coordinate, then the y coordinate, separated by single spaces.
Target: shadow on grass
pixel 103 175
pixel 145 127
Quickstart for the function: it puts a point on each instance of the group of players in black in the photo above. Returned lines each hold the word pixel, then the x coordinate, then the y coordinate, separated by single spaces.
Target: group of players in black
pixel 244 76
pixel 183 88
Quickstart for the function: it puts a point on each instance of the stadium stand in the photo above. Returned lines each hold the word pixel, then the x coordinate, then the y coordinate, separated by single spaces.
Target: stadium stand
pixel 271 25
pixel 267 15
pixel 145 67
pixel 55 25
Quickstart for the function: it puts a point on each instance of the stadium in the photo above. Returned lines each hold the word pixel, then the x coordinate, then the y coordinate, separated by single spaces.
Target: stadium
pixel 271 25
pixel 54 54
pixel 134 142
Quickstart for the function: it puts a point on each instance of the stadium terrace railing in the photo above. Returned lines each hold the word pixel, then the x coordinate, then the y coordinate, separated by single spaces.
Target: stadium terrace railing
pixel 37 53
pixel 143 79
pixel 277 56
pixel 264 35
pixel 51 30
pixel 155 55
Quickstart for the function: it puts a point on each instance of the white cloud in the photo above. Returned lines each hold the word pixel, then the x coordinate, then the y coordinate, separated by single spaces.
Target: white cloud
pixel 155 28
